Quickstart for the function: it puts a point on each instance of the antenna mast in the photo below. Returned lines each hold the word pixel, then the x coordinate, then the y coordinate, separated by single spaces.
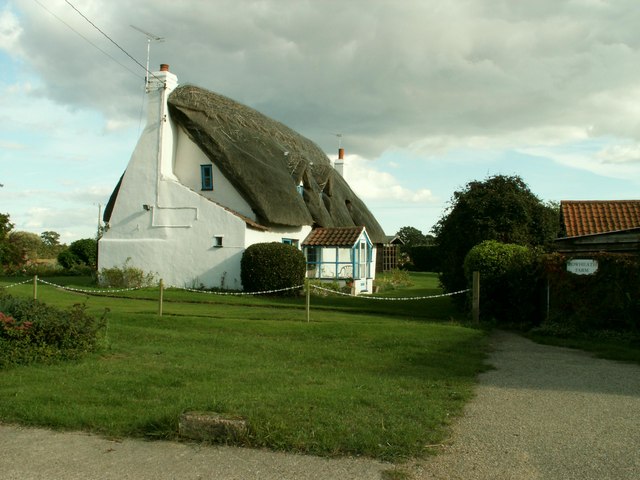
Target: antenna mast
pixel 150 36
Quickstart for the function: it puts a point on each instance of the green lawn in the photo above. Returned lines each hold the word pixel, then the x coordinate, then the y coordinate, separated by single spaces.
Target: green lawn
pixel 364 377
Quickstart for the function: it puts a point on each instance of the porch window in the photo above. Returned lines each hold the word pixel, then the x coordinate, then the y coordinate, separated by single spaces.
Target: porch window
pixel 363 260
pixel 313 261
pixel 329 262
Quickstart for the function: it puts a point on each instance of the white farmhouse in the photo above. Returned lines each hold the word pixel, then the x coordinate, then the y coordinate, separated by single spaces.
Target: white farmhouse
pixel 210 177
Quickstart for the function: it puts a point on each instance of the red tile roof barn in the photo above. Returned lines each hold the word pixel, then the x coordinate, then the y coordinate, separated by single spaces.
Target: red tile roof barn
pixel 333 237
pixel 587 217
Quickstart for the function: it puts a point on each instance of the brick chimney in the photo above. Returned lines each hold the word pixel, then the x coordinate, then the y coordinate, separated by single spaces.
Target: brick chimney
pixel 339 163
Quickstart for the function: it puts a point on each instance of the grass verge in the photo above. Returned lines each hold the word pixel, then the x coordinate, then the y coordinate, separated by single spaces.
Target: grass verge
pixel 376 384
pixel 608 345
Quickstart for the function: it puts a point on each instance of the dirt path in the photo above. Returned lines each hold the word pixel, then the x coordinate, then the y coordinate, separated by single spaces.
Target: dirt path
pixel 543 413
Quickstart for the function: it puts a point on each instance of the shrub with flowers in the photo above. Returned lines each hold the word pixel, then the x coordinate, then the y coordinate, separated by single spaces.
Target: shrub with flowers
pixel 31 331
pixel 9 328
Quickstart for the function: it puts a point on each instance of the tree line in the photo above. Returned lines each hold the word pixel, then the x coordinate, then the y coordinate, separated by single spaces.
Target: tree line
pixel 21 251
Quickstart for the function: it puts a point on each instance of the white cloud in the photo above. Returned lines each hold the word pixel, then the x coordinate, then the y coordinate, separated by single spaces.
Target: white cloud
pixel 9 30
pixel 620 154
pixel 485 79
pixel 369 183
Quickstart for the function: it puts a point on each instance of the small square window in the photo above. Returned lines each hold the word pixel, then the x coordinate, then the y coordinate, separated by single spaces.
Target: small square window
pixel 291 241
pixel 217 241
pixel 206 174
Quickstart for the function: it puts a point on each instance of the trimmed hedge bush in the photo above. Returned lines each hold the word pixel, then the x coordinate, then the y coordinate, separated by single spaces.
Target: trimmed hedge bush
pixel 510 282
pixel 31 331
pixel 272 266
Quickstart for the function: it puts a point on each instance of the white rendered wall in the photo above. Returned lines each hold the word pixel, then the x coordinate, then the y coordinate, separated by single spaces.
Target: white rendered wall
pixel 174 237
pixel 189 157
pixel 276 235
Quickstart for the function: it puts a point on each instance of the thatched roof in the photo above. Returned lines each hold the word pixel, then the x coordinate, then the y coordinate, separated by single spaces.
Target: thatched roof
pixel 266 160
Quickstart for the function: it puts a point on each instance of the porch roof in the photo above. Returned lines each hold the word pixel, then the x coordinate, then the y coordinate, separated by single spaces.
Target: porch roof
pixel 333 237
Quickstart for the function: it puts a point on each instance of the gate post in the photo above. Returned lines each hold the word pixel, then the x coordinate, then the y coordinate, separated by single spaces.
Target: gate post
pixel 475 304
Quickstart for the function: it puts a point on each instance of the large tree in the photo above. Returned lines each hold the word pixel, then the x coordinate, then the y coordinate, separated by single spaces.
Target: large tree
pixel 412 237
pixel 28 245
pixel 499 208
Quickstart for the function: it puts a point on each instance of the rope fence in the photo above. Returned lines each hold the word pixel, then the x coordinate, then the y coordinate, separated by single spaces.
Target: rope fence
pixel 308 287
pixel 370 297
pixel 265 292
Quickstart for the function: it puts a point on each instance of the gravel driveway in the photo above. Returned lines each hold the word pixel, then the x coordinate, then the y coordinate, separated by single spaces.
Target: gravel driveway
pixel 543 413
pixel 546 413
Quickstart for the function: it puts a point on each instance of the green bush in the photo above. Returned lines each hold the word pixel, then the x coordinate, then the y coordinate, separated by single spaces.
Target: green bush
pixel 393 279
pixel 83 253
pixel 510 282
pixel 272 266
pixel 31 331
pixel 125 277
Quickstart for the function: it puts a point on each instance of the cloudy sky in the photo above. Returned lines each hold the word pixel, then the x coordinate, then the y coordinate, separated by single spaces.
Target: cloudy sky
pixel 427 95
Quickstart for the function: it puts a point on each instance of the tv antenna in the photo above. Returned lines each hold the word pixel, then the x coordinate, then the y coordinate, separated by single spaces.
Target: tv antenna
pixel 150 37
pixel 339 135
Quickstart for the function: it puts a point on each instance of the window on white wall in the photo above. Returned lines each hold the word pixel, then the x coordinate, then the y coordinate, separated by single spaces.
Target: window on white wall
pixel 206 175
pixel 217 241
pixel 291 241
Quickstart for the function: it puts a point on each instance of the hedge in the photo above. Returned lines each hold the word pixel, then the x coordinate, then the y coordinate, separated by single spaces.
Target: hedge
pixel 272 266
pixel 510 282
pixel 607 300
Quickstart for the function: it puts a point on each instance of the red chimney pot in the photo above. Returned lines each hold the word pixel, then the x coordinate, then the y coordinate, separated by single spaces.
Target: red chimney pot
pixel 341 153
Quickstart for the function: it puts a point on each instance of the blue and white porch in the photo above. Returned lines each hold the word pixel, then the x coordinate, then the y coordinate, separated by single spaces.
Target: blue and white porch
pixel 342 254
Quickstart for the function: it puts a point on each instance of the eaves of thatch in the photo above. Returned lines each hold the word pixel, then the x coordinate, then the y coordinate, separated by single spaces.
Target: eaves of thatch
pixel 266 160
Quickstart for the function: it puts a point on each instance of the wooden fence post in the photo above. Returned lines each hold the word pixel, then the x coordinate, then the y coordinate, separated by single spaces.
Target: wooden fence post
pixel 35 287
pixel 308 292
pixel 476 297
pixel 160 299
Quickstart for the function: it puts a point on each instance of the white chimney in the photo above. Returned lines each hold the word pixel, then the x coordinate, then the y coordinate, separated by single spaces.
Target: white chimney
pixel 339 163
pixel 161 84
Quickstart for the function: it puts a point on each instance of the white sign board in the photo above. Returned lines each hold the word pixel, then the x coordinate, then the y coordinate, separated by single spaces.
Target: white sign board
pixel 582 266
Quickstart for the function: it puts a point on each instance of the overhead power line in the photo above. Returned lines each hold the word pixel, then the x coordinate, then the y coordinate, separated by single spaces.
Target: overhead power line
pixel 86 39
pixel 110 39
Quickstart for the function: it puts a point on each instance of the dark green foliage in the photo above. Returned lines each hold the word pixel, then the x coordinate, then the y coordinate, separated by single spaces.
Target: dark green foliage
pixel 500 208
pixel 272 266
pixel 9 254
pixel 606 300
pixel 83 252
pixel 31 331
pixel 510 282
pixel 412 237
pixel 425 258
